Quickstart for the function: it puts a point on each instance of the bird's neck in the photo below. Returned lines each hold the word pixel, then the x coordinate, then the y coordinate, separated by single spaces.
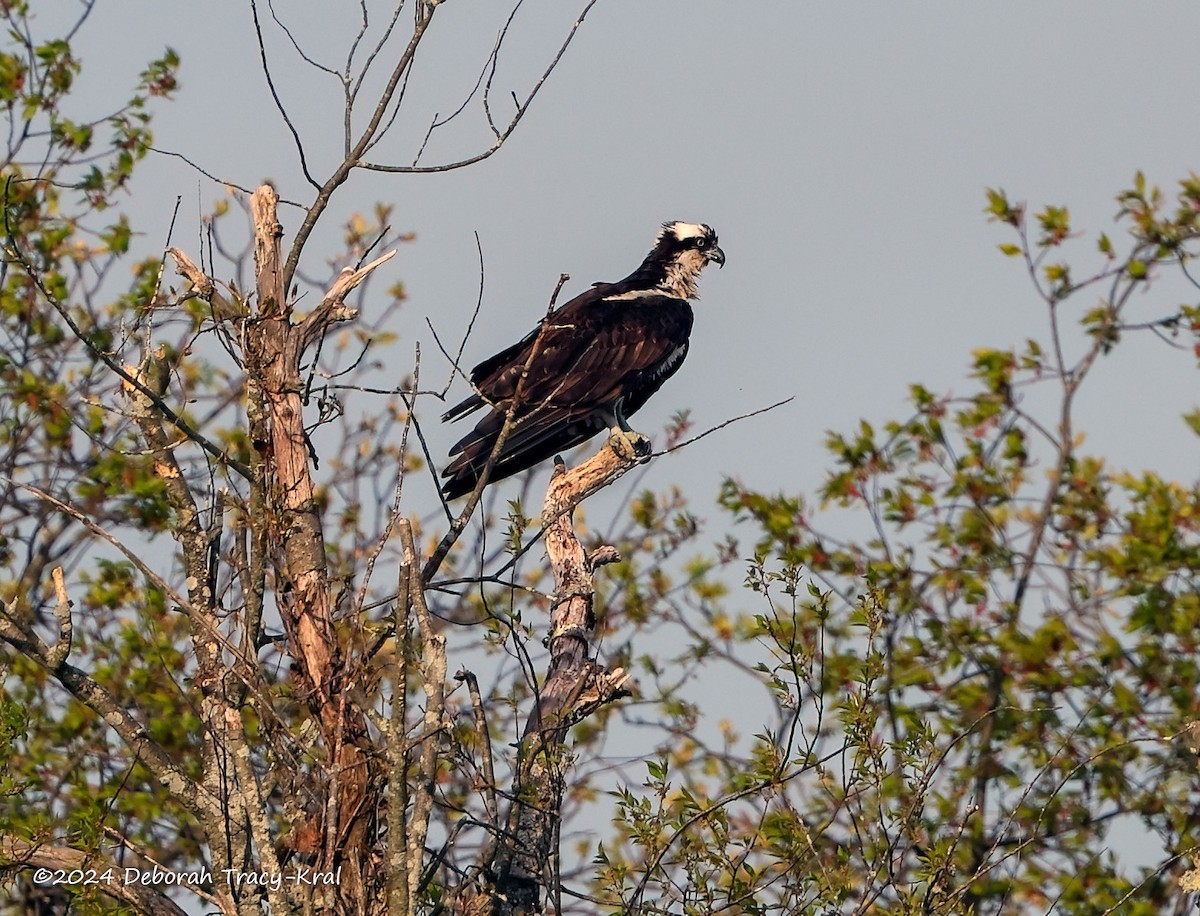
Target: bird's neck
pixel 676 277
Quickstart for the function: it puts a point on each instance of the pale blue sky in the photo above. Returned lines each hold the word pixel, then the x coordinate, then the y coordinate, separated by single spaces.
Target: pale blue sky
pixel 840 150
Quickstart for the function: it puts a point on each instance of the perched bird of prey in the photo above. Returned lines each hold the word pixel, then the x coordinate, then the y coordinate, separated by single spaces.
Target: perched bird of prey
pixel 598 360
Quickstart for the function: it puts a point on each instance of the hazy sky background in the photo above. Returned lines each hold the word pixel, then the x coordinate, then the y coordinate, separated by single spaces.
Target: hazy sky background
pixel 840 150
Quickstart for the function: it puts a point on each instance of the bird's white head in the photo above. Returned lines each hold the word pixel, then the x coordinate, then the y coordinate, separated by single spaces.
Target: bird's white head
pixel 681 251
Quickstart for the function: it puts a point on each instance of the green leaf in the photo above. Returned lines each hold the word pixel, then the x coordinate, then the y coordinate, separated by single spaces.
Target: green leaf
pixel 1192 419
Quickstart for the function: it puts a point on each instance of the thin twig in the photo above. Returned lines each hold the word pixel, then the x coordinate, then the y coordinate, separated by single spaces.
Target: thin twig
pixel 508 131
pixel 510 421
pixel 183 425
pixel 262 52
pixel 713 429
pixel 484 738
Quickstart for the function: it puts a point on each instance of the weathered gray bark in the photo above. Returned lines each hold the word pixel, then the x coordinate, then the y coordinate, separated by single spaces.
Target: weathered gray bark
pixel 275 347
pixel 575 687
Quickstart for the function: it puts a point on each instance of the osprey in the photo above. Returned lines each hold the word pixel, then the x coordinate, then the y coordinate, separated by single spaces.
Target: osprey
pixel 599 359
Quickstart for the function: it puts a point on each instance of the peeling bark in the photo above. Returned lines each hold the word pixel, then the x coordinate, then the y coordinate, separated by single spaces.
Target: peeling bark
pixel 575 687
pixel 275 347
pixel 346 833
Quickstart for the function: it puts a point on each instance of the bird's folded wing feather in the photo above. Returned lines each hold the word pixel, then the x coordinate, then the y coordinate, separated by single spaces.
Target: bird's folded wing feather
pixel 588 358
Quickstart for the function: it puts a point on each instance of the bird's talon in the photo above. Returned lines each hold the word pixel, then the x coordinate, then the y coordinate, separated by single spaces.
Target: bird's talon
pixel 629 445
pixel 641 445
pixel 620 443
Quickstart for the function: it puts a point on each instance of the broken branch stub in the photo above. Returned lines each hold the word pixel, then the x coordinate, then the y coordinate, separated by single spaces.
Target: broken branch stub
pixel 575 687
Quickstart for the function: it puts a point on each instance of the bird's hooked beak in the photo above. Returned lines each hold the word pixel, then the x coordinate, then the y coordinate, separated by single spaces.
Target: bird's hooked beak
pixel 716 254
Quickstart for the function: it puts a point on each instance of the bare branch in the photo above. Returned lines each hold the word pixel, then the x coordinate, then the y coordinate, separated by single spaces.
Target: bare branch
pixel 722 425
pixel 304 56
pixel 249 798
pixel 262 52
pixel 433 669
pixel 223 309
pixel 484 738
pixel 575 687
pixel 400 864
pixel 500 140
pixel 342 172
pixel 332 307
pixel 211 177
pixel 62 613
pixel 352 94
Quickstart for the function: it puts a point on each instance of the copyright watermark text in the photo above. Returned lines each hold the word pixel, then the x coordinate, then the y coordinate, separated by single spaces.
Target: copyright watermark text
pixel 157 877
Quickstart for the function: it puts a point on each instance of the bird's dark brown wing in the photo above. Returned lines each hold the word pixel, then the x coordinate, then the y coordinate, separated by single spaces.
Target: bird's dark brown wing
pixel 497 376
pixel 596 353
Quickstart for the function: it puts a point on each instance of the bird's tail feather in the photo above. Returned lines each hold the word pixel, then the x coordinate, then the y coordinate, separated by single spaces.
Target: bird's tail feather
pixel 532 440
pixel 463 407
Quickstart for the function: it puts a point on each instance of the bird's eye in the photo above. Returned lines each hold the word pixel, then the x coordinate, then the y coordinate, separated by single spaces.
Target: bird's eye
pixel 701 243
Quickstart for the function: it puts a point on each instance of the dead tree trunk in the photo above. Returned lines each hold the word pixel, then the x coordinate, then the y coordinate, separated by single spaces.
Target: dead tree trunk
pixel 575 687
pixel 345 835
pixel 275 346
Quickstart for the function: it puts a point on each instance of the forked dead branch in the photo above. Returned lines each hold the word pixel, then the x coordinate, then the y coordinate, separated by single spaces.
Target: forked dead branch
pixel 345 834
